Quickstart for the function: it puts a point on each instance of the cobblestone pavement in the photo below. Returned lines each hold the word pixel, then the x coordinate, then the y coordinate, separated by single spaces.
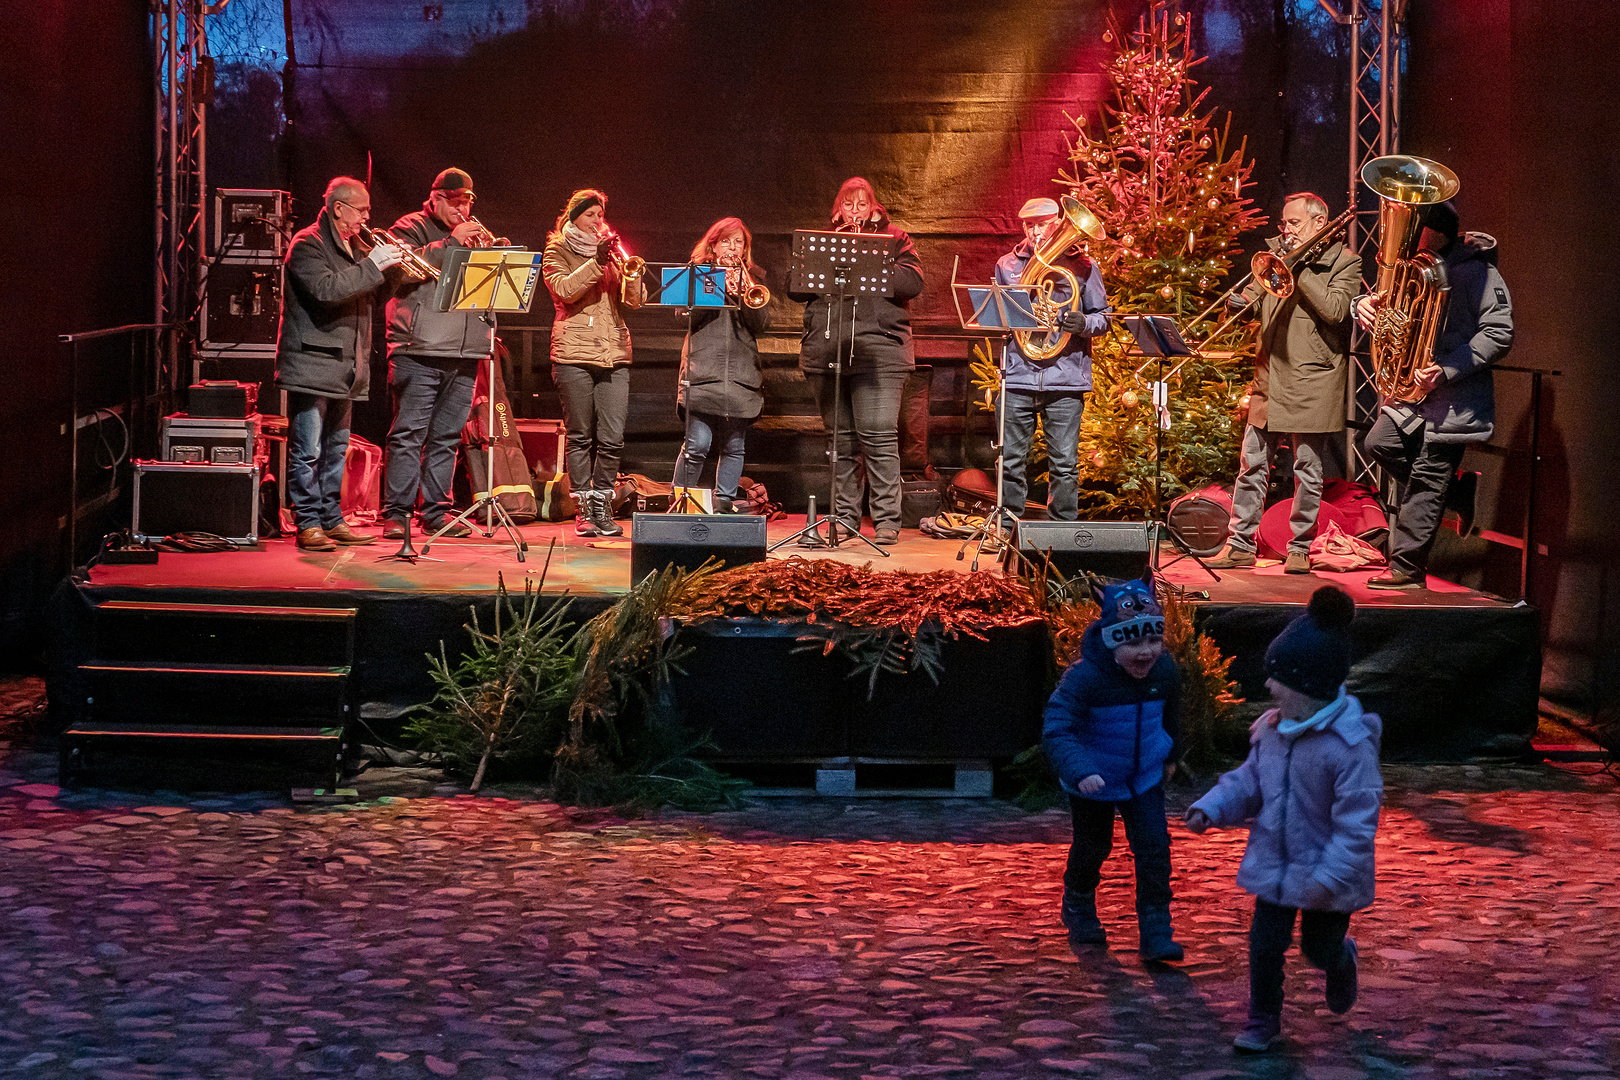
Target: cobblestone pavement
pixel 162 935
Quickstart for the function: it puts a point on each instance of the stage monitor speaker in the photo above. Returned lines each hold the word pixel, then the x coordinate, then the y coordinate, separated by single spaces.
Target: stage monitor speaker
pixel 1114 549
pixel 690 540
pixel 174 497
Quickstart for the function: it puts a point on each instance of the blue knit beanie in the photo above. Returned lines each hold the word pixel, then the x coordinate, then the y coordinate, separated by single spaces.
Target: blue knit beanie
pixel 1130 612
pixel 1312 654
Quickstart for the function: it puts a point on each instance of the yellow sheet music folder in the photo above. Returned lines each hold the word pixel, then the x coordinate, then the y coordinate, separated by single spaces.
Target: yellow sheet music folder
pixel 498 279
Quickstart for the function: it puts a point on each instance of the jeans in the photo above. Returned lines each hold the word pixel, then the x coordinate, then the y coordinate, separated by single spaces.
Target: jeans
pixel 1145 831
pixel 867 413
pixel 1423 470
pixel 701 429
pixel 595 402
pixel 1249 493
pixel 1321 939
pixel 1060 412
pixel 317 443
pixel 432 399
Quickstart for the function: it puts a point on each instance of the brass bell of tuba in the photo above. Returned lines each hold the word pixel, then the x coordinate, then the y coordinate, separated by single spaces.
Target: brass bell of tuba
pixel 1411 283
pixel 1042 275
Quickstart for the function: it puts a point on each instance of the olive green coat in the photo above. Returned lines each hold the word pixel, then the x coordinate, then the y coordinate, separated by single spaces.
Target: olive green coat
pixel 1300 373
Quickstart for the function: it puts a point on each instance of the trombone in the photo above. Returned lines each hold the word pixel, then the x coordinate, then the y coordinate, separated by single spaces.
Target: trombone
pixel 1273 273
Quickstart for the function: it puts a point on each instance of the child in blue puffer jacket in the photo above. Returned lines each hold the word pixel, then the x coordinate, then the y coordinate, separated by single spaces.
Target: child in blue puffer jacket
pixel 1310 793
pixel 1112 731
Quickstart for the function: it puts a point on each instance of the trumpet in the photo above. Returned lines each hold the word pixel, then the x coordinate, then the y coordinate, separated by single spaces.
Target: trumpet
pixel 416 268
pixel 629 266
pixel 484 238
pixel 749 291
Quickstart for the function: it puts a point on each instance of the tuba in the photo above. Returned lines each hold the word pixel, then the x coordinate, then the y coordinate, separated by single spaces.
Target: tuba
pixel 1040 275
pixel 1411 284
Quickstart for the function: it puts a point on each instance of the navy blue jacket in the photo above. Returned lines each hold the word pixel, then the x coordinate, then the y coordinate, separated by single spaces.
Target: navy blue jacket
pixel 1102 722
pixel 1478 332
pixel 1070 370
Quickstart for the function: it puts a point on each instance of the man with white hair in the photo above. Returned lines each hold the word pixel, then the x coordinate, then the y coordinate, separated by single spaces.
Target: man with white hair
pixel 323 356
pixel 1052 390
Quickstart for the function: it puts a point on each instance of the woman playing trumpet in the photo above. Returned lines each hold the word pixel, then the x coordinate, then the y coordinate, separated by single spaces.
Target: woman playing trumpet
pixel 872 335
pixel 721 385
pixel 590 278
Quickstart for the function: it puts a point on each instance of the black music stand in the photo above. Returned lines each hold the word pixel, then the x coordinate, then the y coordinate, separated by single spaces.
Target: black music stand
pixel 1159 338
pixel 486 280
pixel 841 266
pixel 1002 308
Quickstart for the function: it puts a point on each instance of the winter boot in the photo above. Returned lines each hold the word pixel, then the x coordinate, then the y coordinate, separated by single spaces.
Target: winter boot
pixel 1080 916
pixel 601 510
pixel 1157 946
pixel 1264 1030
pixel 1341 984
pixel 583 523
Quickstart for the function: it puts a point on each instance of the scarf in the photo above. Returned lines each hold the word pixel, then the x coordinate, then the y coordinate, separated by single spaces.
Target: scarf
pixel 1321 718
pixel 579 241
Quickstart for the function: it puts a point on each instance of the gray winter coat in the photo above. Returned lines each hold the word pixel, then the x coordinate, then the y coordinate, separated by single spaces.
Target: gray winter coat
pixel 414 328
pixel 1311 802
pixel 324 347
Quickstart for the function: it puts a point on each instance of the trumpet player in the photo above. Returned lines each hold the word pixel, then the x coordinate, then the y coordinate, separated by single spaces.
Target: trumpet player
pixel 1052 390
pixel 433 359
pixel 1298 391
pixel 323 355
pixel 590 277
pixel 721 385
pixel 871 337
pixel 1422 443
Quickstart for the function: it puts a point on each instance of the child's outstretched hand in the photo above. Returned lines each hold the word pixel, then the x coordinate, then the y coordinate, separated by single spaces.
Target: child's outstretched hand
pixel 1197 820
pixel 1091 785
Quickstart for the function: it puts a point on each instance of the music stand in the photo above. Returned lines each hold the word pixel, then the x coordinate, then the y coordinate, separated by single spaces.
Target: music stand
pixel 687 286
pixel 486 280
pixel 1002 308
pixel 1159 338
pixel 844 266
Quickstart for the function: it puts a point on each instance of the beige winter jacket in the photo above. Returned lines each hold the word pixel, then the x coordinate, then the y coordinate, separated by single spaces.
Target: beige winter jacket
pixel 589 328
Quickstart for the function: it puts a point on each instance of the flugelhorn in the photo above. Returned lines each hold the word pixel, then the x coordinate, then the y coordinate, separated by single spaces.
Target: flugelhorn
pixel 749 291
pixel 416 268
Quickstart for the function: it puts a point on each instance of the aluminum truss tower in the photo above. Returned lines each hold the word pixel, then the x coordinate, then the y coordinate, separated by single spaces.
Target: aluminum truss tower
pixel 1377 48
pixel 183 75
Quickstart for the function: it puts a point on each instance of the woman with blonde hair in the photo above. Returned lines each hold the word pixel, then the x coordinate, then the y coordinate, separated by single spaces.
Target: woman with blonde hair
pixel 721 384
pixel 590 351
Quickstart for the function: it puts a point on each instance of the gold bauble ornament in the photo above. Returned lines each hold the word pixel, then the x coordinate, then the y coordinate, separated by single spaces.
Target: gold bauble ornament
pixel 1167 292
pixel 1129 240
pixel 1204 143
pixel 1128 399
pixel 1097 459
pixel 1214 203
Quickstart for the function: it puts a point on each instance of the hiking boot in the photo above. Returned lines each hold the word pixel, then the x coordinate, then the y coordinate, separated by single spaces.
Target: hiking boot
pixel 1230 558
pixel 599 506
pixel 1341 984
pixel 1262 1033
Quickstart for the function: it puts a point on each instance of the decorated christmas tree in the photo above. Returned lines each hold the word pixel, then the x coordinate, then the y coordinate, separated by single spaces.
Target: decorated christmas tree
pixel 1159 174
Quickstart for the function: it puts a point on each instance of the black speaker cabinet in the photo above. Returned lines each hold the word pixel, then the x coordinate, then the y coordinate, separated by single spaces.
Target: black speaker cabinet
pixel 689 540
pixel 174 497
pixel 1115 549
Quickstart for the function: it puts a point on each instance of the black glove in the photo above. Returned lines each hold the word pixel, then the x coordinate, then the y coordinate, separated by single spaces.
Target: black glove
pixel 604 252
pixel 1072 322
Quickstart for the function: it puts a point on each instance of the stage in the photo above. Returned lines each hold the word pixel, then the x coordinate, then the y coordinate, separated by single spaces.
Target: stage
pixel 1453 672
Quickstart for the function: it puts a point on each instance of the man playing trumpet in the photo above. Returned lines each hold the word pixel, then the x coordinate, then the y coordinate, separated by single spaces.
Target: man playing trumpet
pixel 1052 390
pixel 1299 382
pixel 433 359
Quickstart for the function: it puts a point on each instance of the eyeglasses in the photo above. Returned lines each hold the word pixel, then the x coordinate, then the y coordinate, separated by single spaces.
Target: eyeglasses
pixel 363 211
pixel 467 197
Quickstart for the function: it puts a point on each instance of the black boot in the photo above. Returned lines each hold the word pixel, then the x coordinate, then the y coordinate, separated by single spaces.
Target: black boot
pixel 1157 945
pixel 601 510
pixel 583 525
pixel 1080 916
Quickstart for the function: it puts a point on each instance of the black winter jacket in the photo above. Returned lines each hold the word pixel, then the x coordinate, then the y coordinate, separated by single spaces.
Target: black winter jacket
pixel 414 328
pixel 882 325
pixel 720 373
pixel 324 347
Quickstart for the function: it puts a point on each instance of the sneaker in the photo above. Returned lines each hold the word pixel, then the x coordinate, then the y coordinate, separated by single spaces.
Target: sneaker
pixel 1297 563
pixel 1230 558
pixel 1395 579
pixel 1262 1033
pixel 1341 985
